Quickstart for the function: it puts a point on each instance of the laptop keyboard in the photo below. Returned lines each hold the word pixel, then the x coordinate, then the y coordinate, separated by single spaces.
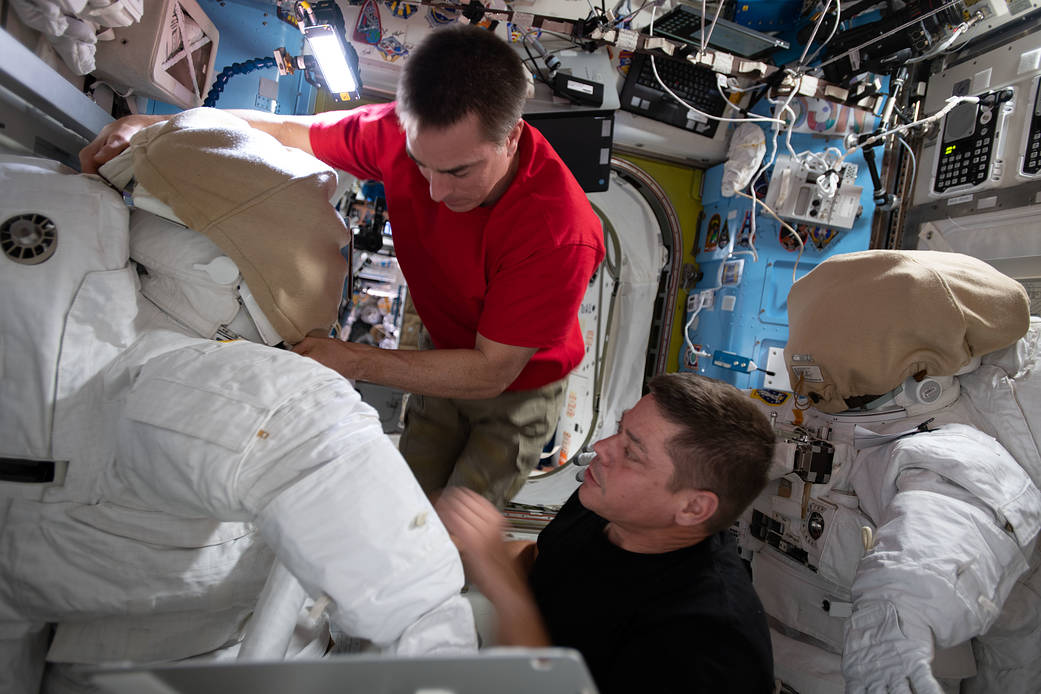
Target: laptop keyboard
pixel 642 94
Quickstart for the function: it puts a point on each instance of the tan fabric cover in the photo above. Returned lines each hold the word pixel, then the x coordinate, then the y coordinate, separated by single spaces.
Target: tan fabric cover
pixel 266 206
pixel 870 320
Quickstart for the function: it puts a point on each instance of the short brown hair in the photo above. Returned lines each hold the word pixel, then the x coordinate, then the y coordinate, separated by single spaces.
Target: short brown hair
pixel 458 70
pixel 725 444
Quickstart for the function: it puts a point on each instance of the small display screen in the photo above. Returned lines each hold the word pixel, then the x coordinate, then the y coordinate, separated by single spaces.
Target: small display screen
pixel 961 122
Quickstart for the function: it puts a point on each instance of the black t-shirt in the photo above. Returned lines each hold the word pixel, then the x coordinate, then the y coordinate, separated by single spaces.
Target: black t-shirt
pixel 683 621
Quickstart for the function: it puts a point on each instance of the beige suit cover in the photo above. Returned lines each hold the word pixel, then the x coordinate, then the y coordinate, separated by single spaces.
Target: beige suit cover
pixel 265 205
pixel 861 323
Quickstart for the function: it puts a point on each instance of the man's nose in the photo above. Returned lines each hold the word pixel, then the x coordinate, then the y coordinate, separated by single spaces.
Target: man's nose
pixel 439 187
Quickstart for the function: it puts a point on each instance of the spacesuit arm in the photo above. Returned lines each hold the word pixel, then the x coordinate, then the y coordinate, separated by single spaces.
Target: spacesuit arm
pixel 953 537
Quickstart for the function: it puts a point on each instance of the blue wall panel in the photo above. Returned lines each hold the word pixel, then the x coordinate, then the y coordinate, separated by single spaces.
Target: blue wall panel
pixel 759 317
pixel 250 30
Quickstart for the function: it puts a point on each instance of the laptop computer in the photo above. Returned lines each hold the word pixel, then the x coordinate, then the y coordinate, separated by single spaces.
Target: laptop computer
pixel 500 670
pixel 683 23
pixel 642 94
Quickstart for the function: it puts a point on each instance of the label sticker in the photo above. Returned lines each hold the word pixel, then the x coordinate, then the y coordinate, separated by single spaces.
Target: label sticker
pixel 811 374
pixel 773 398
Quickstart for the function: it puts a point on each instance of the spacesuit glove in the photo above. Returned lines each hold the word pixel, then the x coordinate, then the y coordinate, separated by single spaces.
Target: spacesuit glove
pixel 884 653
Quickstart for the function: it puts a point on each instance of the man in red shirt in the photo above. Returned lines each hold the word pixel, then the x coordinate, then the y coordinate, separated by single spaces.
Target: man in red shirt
pixel 496 241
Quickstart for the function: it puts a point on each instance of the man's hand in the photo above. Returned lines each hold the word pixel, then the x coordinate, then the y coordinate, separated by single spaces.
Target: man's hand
pixel 476 527
pixel 885 654
pixel 342 357
pixel 113 139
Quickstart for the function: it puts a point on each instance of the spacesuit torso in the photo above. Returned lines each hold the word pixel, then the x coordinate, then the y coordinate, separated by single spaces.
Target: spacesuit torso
pixel 866 516
pixel 182 466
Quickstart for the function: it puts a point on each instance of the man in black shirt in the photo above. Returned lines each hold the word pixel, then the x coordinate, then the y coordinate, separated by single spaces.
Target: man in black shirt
pixel 637 571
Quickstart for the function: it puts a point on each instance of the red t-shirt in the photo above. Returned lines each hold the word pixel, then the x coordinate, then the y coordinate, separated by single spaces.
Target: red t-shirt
pixel 515 271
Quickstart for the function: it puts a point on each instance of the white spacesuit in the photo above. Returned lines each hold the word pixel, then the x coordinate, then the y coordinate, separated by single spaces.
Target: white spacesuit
pixel 151 476
pixel 75 26
pixel 895 548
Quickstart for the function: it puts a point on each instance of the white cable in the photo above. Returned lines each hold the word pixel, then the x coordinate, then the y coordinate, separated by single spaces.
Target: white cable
pixel 788 132
pixel 752 252
pixel 751 248
pixel 962 28
pixel 726 97
pixel 875 139
pixel 814 162
pixel 813 34
pixel 705 39
pixel 838 18
pixel 914 160
pixel 625 18
pixel 773 214
pixel 768 163
pixel 690 321
pixel 786 225
pixel 703 7
pixel 735 88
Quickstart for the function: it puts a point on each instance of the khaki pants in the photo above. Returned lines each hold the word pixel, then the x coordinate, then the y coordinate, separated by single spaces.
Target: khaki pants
pixel 489 445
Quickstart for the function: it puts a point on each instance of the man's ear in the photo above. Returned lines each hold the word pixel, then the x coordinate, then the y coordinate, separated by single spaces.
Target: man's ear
pixel 699 506
pixel 513 137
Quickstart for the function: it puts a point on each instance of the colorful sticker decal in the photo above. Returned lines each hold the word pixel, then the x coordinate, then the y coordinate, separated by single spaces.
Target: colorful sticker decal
pixel 732 271
pixel 724 236
pixel 822 236
pixel 773 398
pixel 690 358
pixel 744 234
pixel 517 33
pixel 712 237
pixel 368 28
pixel 625 59
pixel 821 117
pixel 401 9
pixel 391 48
pixel 788 240
pixel 697 232
pixel 439 16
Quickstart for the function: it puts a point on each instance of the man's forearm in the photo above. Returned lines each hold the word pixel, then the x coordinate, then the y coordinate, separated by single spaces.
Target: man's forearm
pixel 519 620
pixel 502 579
pixel 291 131
pixel 448 373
